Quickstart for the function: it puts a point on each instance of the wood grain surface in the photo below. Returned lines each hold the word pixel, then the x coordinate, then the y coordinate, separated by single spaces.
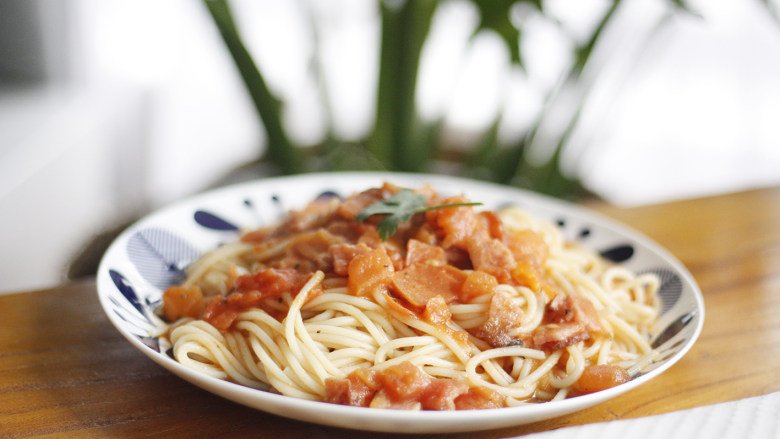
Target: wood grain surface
pixel 66 372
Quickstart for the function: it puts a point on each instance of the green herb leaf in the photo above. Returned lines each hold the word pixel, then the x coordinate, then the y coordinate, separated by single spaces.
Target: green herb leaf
pixel 399 208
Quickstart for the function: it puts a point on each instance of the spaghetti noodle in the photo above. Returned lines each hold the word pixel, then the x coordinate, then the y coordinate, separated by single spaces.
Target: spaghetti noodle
pixel 457 309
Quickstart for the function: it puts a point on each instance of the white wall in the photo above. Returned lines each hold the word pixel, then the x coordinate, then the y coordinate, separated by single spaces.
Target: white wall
pixel 65 176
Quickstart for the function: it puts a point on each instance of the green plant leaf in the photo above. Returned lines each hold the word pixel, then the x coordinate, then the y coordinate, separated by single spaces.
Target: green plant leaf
pixel 405 27
pixel 280 150
pixel 495 15
pixel 399 208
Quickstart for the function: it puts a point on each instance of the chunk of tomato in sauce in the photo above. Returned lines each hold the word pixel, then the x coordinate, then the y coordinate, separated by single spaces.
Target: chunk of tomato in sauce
pixel 368 271
pixel 478 398
pixel 252 290
pixel 220 313
pixel 478 283
pixel 357 389
pixel 420 252
pixel 181 302
pixel 600 377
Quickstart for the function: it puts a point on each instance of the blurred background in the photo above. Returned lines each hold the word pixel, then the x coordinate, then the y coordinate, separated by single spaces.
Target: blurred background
pixel 112 108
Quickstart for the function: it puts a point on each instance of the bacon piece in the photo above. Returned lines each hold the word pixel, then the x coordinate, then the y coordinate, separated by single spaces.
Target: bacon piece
pixel 600 377
pixel 441 394
pixel 492 256
pixel 568 308
pixel 554 336
pixel 568 320
pixel 481 235
pixel 270 283
pixel 502 317
pixel 357 389
pixel 343 254
pixel 369 271
pixel 309 252
pixel 455 223
pixel 417 251
pixel 587 315
pixel 315 215
pixel 250 291
pixel 351 207
pixel 492 224
pixel 402 387
pixel 419 283
pixel 405 386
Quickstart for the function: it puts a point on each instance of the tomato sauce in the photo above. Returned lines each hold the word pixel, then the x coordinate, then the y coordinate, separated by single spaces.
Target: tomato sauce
pixel 406 386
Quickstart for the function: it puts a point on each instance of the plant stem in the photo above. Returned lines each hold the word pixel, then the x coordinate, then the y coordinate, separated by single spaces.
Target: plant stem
pixel 404 29
pixel 279 150
pixel 552 170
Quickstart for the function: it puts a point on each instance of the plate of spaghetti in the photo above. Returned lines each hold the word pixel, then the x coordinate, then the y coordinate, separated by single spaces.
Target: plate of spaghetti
pixel 399 302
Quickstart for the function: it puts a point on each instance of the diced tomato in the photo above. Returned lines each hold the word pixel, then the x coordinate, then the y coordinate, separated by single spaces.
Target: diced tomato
pixel 368 271
pixel 440 394
pixel 437 312
pixel 271 282
pixel 404 381
pixel 492 223
pixel 183 302
pixel 357 389
pixel 417 251
pixel 599 377
pixel 220 313
pixel 527 275
pixel 478 283
pixel 426 234
pixel 527 245
pixel 251 291
pixel 455 223
pixel 479 398
pixel 406 386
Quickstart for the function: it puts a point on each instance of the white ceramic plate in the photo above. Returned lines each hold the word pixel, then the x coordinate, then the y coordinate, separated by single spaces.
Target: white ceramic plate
pixel 151 255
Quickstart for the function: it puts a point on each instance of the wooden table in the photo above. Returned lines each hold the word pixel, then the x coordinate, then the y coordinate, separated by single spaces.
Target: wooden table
pixel 64 370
